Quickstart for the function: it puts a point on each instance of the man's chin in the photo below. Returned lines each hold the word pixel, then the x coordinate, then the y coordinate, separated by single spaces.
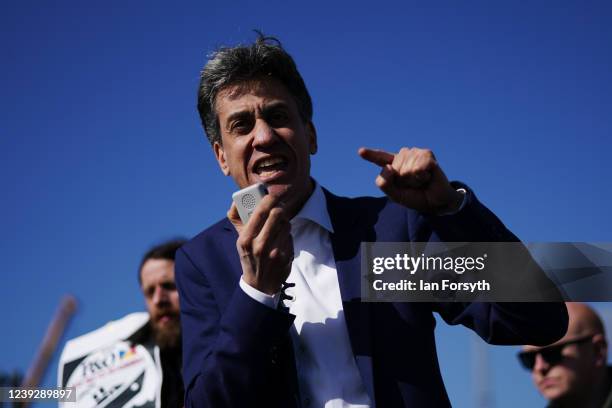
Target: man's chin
pixel 278 190
pixel 291 192
pixel 167 335
pixel 552 392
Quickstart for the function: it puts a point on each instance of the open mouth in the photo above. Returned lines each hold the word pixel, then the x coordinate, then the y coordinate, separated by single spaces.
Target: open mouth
pixel 270 167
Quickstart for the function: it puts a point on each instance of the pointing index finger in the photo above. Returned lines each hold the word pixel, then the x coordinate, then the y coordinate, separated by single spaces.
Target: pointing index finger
pixel 376 156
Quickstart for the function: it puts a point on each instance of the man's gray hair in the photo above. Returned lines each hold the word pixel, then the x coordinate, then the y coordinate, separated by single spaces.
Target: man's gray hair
pixel 265 58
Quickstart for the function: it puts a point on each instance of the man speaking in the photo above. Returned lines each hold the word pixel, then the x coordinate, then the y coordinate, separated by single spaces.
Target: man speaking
pixel 316 344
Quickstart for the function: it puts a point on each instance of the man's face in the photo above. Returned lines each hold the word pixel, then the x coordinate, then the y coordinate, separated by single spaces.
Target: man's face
pixel 568 378
pixel 161 298
pixel 265 140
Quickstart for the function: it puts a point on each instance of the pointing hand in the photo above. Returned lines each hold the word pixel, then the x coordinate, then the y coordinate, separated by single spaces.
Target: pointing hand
pixel 413 178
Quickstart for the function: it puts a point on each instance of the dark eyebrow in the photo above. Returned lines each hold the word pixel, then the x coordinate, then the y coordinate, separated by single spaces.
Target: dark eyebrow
pixel 245 114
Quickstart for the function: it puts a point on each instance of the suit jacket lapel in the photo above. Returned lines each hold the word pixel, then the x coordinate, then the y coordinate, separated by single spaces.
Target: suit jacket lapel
pixel 229 244
pixel 286 374
pixel 346 242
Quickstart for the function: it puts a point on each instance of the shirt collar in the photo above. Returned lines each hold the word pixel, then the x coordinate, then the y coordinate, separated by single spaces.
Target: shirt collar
pixel 315 209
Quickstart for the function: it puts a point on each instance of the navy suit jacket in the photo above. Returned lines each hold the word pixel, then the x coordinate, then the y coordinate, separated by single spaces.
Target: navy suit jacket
pixel 237 352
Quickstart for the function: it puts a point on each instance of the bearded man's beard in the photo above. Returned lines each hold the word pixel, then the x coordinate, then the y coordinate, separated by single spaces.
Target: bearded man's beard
pixel 168 336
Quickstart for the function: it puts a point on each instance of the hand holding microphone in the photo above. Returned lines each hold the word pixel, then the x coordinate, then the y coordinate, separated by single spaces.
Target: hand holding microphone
pixel 264 244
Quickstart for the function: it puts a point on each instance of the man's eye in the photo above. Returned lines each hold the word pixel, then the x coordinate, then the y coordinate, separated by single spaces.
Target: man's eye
pixel 241 126
pixel 278 118
pixel 169 286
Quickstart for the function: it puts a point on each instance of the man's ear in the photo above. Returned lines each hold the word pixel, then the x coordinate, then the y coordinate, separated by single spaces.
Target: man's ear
pixel 311 132
pixel 601 349
pixel 220 156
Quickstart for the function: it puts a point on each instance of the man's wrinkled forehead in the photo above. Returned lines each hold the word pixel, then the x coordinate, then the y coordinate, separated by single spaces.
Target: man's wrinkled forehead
pixel 263 87
pixel 237 89
pixel 246 98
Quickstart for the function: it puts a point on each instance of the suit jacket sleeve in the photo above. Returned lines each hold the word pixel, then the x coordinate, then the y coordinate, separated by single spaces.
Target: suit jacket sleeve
pixel 533 323
pixel 224 350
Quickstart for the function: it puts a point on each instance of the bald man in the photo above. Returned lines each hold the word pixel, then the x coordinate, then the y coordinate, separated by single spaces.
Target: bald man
pixel 572 372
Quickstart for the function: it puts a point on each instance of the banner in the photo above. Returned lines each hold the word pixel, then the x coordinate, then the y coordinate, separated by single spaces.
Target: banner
pixel 109 370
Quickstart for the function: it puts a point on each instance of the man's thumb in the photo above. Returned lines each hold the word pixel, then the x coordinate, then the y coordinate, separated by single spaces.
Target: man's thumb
pixel 385 181
pixel 234 217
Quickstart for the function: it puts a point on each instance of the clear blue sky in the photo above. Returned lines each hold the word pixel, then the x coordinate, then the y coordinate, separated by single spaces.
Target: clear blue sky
pixel 102 153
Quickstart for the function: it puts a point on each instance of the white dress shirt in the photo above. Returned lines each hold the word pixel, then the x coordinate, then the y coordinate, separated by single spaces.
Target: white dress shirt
pixel 327 373
pixel 326 370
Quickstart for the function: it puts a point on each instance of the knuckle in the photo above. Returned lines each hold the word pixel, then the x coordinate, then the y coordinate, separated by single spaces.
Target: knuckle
pixel 427 167
pixel 268 198
pixel 243 242
pixel 424 155
pixel 406 171
pixel 257 249
pixel 264 205
pixel 274 254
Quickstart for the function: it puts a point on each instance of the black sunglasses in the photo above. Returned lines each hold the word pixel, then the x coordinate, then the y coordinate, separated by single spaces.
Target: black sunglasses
pixel 551 354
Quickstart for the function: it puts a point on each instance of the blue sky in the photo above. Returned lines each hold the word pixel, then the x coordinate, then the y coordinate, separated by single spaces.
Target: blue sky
pixel 102 154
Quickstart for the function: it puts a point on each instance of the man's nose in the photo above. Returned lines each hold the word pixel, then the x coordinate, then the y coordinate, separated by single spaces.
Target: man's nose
pixel 160 295
pixel 264 134
pixel 540 365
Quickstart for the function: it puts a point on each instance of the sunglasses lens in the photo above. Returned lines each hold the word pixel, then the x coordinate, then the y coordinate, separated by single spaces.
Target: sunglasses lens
pixel 552 356
pixel 527 359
